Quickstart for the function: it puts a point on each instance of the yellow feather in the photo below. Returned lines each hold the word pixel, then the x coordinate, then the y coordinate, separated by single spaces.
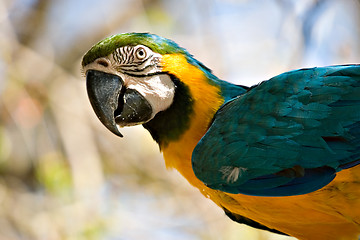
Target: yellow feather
pixel 332 212
pixel 206 99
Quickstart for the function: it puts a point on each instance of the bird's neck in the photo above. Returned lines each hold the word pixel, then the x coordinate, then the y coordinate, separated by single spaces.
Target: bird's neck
pixel 169 125
pixel 198 96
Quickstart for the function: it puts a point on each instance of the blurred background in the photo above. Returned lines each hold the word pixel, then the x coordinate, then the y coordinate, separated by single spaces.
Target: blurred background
pixel 64 176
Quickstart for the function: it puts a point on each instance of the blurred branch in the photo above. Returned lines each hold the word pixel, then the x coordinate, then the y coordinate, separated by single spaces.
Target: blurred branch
pixel 310 19
pixel 32 24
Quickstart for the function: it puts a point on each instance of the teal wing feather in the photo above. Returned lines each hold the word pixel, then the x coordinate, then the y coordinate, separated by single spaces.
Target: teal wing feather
pixel 287 136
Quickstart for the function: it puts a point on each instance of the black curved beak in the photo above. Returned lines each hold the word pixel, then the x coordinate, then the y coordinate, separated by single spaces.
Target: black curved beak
pixel 104 90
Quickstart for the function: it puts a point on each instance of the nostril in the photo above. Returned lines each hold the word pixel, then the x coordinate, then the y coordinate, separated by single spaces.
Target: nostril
pixel 103 63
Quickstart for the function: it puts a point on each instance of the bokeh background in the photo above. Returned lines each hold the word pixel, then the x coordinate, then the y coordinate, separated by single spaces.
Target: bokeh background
pixel 64 176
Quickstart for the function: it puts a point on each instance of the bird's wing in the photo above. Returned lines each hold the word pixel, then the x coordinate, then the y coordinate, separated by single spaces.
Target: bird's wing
pixel 287 136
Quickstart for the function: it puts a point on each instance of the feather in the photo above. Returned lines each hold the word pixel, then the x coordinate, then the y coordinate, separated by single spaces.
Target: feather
pixel 308 118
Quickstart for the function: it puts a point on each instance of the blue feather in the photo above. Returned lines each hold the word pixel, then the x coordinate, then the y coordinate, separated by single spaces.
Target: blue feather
pixel 308 118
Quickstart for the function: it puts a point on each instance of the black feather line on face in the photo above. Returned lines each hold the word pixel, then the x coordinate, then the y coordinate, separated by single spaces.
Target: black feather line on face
pixel 126 62
pixel 170 124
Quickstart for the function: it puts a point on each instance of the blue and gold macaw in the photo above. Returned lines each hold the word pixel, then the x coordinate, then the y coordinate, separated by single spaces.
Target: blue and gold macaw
pixel 281 156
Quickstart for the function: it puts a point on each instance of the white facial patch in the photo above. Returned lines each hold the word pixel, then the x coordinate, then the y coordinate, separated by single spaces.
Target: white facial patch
pixel 158 90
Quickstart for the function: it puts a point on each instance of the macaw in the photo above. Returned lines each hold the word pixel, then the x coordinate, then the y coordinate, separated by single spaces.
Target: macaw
pixel 280 156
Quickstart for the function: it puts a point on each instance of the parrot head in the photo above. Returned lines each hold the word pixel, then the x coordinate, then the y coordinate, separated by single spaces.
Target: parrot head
pixel 125 80
pixel 142 78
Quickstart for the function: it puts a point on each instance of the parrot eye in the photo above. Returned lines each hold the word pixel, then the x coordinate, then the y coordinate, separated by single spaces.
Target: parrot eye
pixel 140 53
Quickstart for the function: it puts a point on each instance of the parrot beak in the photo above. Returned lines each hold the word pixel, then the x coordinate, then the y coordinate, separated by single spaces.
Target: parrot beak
pixel 104 90
pixel 115 105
